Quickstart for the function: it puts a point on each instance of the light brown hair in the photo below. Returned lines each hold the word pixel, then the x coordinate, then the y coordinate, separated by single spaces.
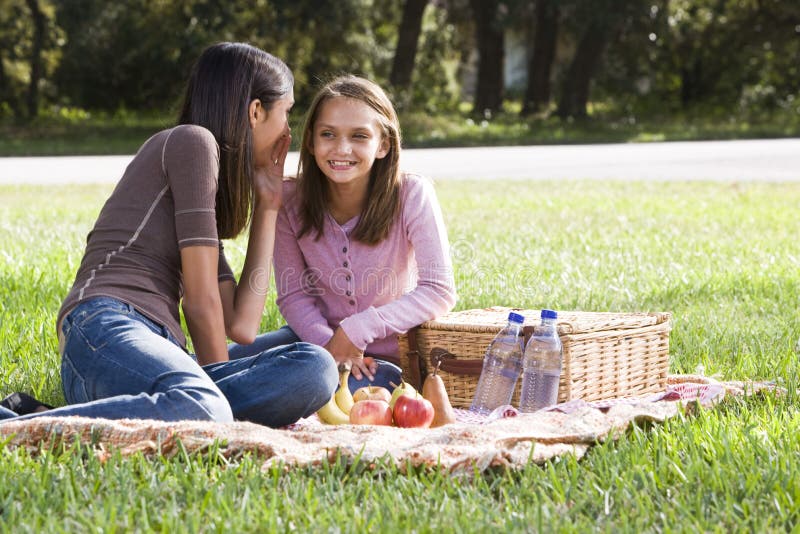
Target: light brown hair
pixel 383 191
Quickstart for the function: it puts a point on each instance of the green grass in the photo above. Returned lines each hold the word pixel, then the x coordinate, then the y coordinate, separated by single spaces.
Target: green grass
pixel 508 128
pixel 721 257
pixel 75 132
pixel 79 134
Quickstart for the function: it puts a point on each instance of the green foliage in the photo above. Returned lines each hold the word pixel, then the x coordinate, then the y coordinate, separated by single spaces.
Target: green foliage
pixel 144 67
pixel 461 129
pixel 719 56
pixel 435 85
pixel 720 256
pixel 725 57
pixel 16 48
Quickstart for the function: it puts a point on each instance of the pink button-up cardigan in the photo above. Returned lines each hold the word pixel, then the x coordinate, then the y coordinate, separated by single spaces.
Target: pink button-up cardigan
pixel 372 292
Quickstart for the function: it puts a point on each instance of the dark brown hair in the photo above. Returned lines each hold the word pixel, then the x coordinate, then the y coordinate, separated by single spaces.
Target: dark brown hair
pixel 223 82
pixel 383 191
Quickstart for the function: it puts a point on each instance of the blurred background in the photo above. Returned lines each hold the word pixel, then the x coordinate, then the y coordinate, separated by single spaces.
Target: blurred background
pixel 97 76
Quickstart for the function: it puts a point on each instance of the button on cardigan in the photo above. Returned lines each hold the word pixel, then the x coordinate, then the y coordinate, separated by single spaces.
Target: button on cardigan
pixel 373 292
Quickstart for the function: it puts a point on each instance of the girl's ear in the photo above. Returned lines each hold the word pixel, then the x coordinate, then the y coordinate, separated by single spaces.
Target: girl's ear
pixel 254 111
pixel 383 149
pixel 310 144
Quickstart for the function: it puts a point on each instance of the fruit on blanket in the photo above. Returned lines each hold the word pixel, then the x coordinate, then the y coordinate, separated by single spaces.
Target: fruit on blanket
pixel 412 411
pixel 372 393
pixel 371 412
pixel 331 413
pixel 433 389
pixel 403 389
pixel 337 410
pixel 343 396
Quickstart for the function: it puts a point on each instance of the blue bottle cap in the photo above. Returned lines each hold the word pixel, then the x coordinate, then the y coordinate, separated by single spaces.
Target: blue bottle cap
pixel 549 314
pixel 516 318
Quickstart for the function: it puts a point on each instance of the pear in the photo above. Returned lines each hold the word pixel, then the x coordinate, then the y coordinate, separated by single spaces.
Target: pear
pixel 433 389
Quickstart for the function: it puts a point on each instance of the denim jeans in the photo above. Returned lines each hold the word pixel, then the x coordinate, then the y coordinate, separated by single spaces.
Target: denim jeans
pixel 386 374
pixel 117 364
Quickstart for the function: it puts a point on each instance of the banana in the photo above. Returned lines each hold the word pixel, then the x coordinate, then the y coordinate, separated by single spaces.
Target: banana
pixel 344 399
pixel 337 410
pixel 332 414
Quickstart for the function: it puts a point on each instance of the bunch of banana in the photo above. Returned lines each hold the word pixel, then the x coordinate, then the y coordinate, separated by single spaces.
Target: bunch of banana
pixel 337 411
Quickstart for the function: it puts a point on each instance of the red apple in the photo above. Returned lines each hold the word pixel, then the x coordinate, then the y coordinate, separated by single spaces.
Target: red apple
pixel 371 412
pixel 372 393
pixel 413 411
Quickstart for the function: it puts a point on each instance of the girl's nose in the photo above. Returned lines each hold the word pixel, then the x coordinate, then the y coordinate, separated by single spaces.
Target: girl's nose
pixel 344 146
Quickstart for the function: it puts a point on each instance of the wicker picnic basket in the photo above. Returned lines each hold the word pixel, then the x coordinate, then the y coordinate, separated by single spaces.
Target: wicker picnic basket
pixel 606 355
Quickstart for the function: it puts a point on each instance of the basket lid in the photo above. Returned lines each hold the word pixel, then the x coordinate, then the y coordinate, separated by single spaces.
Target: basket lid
pixel 569 322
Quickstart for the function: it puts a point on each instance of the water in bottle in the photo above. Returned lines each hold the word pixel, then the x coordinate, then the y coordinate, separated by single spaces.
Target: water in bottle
pixel 541 366
pixel 501 367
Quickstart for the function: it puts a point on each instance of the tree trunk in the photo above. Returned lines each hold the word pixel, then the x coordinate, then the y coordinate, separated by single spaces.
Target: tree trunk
pixel 575 92
pixel 407 41
pixel 39 23
pixel 491 52
pixel 537 92
pixel 698 76
pixel 4 85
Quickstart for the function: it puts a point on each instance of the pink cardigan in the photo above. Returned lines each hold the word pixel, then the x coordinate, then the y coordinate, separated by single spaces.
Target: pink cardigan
pixel 372 292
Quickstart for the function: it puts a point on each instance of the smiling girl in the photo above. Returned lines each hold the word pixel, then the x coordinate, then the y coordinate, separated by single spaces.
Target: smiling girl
pixel 361 251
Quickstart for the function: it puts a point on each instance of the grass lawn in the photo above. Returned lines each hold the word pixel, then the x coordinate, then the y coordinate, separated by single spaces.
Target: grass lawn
pixel 81 133
pixel 723 258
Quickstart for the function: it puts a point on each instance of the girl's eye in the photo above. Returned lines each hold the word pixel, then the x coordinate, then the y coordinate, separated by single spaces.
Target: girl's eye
pixel 360 136
pixel 326 134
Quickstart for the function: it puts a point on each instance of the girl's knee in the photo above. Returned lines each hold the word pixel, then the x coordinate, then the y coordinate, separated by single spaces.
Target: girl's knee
pixel 202 405
pixel 319 379
pixel 320 363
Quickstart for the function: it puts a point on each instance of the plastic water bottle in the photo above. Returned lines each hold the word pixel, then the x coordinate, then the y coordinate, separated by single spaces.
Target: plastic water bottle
pixel 541 366
pixel 501 367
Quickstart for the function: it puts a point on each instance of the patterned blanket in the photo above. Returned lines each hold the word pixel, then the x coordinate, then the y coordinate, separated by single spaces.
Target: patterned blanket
pixel 505 438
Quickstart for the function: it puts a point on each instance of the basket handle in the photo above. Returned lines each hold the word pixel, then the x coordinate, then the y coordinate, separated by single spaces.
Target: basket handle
pixel 416 364
pixel 527 332
pixel 451 364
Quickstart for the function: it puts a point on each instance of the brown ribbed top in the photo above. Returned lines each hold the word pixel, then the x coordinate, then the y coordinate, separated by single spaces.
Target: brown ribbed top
pixel 165 201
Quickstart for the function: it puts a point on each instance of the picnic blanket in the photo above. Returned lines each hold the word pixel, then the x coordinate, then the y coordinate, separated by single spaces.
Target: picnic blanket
pixel 505 438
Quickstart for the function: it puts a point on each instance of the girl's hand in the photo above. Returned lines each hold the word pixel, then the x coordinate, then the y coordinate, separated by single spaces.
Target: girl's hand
pixel 343 350
pixel 267 181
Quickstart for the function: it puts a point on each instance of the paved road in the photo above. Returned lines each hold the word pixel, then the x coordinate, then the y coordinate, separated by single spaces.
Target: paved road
pixel 760 160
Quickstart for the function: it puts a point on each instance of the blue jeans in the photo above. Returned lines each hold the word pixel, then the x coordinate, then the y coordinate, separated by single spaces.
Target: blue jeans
pixel 386 374
pixel 117 363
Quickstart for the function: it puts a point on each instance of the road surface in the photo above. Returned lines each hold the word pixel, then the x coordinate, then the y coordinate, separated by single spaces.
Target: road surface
pixel 759 160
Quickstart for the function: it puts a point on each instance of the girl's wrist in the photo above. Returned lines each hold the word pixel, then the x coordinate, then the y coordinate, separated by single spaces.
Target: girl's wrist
pixel 266 201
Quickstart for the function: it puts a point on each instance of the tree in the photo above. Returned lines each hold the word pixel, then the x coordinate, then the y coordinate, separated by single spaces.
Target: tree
pixel 407 42
pixel 604 20
pixel 36 72
pixel 28 37
pixel 489 90
pixel 545 33
pixel 11 35
pixel 575 91
pixel 721 58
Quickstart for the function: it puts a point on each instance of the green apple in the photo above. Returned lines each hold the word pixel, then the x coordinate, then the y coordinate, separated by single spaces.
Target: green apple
pixel 403 389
